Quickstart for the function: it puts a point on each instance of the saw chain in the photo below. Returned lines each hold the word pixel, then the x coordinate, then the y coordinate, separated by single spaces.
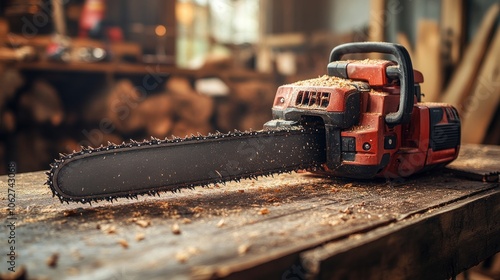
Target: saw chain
pixel 153 166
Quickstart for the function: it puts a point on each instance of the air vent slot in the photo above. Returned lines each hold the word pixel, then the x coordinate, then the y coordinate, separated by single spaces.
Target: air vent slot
pixel 445 136
pixel 313 99
pixel 452 114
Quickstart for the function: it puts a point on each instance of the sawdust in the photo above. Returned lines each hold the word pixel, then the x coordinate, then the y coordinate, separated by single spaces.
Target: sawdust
pixel 197 209
pixel 344 218
pixel 325 81
pixel 136 214
pixel 143 223
pixel 263 211
pixel 243 249
pixel 270 198
pixel 70 212
pixel 346 211
pixel 123 243
pixel 380 93
pixel 20 273
pixel 140 236
pixel 52 260
pixel 333 222
pixel 183 256
pixel 221 223
pixel 77 256
pixel 72 271
pixel 370 61
pixel 108 229
pixel 164 205
pixel 176 229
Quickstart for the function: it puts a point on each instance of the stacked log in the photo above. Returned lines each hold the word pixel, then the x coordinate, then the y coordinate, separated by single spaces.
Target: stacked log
pixel 122 111
pixel 121 102
pixel 192 110
pixel 42 104
pixel 247 107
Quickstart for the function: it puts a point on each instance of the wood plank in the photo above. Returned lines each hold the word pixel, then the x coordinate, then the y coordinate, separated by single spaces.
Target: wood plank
pixel 481 105
pixel 59 19
pixel 403 40
pixel 462 81
pixel 431 245
pixel 224 231
pixel 376 32
pixel 452 30
pixel 478 162
pixel 428 59
pixel 493 134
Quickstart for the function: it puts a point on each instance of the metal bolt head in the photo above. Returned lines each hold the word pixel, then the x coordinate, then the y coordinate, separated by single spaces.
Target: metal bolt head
pixel 366 146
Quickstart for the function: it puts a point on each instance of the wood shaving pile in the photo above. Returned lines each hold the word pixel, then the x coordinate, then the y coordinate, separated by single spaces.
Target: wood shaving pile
pixel 325 81
pixel 370 61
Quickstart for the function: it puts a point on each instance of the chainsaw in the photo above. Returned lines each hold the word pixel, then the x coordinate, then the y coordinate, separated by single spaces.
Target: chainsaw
pixel 364 119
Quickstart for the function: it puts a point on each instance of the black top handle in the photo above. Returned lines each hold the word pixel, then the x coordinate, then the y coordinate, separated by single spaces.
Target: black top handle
pixel 403 71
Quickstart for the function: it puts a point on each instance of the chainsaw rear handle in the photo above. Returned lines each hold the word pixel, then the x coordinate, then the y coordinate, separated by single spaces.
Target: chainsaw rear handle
pixel 403 71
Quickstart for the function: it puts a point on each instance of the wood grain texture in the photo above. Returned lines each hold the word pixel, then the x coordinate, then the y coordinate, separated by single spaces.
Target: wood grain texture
pixel 265 228
pixel 432 245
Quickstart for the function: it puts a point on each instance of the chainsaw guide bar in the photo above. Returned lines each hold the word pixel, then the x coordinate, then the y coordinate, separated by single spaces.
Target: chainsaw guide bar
pixel 153 166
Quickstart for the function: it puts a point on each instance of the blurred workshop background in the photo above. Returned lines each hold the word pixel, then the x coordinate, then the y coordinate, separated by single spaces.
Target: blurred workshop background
pixel 85 72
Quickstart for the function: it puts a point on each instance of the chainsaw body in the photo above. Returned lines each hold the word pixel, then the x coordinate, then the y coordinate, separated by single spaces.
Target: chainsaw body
pixel 375 123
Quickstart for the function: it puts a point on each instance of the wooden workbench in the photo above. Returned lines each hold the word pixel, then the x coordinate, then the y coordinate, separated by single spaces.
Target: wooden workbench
pixel 296 226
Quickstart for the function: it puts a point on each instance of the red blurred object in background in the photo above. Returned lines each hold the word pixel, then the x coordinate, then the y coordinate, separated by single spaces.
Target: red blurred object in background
pixel 92 17
pixel 114 34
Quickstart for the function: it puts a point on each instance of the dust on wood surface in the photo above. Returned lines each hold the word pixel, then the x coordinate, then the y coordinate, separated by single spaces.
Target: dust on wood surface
pixel 211 231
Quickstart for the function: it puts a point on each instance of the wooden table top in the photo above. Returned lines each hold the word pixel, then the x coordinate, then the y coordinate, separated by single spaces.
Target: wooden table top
pixel 294 226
